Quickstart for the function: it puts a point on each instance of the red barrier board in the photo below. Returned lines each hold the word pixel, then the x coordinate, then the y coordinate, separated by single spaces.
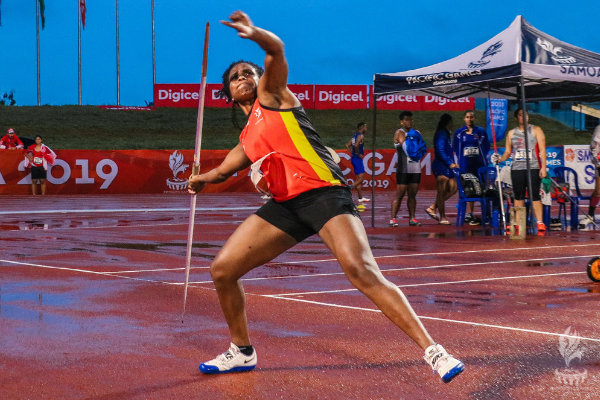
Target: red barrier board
pixel 401 101
pixel 341 97
pixel 163 171
pixel 320 97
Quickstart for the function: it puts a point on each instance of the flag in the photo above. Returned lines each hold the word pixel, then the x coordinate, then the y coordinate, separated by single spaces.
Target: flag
pixel 0 13
pixel 82 10
pixel 42 9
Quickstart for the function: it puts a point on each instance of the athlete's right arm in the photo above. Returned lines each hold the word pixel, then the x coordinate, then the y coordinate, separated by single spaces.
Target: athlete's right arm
pixel 399 137
pixel 272 87
pixel 235 161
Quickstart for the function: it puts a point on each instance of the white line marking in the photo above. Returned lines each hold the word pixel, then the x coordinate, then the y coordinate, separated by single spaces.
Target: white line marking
pixel 449 252
pixel 128 210
pixel 312 302
pixel 440 319
pixel 437 283
pixel 156 270
pixel 409 268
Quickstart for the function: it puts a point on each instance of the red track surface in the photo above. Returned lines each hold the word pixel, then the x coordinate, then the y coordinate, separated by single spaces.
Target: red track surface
pixel 90 307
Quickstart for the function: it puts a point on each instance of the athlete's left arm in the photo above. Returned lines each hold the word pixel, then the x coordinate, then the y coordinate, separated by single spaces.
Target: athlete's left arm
pixel 359 140
pixel 541 141
pixel 272 86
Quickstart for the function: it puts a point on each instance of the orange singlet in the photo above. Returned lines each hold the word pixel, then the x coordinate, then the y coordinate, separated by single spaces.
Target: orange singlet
pixel 298 161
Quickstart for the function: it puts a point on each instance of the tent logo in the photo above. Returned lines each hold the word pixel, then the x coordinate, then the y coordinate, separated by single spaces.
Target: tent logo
pixel 176 164
pixel 549 47
pixel 491 51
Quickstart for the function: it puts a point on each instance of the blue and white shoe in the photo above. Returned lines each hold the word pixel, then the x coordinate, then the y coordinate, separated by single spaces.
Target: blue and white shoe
pixel 443 363
pixel 233 360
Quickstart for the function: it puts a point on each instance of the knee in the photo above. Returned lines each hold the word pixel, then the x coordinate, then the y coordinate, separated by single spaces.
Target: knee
pixel 363 276
pixel 219 271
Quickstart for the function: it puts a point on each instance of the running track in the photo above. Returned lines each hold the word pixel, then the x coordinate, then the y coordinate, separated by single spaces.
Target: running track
pixel 91 301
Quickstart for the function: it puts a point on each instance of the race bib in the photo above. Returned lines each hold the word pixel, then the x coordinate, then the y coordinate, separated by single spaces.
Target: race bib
pixel 38 160
pixel 521 155
pixel 471 151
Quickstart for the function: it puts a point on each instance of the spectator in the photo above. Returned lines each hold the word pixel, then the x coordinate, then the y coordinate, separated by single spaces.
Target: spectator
pixel 11 141
pixel 356 147
pixel 38 156
pixel 408 173
pixel 471 146
pixel 515 142
pixel 443 166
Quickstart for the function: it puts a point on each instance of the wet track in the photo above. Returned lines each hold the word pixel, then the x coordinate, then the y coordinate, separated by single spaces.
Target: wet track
pixel 91 297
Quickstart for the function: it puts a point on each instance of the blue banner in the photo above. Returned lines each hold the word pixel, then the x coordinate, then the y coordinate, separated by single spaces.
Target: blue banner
pixel 500 114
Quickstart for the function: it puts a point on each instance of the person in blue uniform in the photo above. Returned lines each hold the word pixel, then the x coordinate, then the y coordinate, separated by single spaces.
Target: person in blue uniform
pixel 470 145
pixel 443 169
pixel 356 147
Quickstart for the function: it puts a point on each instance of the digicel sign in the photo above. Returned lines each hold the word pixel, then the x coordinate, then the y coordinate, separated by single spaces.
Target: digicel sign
pixel 341 97
pixel 186 95
pixel 423 103
pixel 320 97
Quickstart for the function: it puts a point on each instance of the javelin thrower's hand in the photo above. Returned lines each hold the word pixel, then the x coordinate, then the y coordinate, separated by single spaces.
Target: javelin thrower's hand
pixel 241 23
pixel 195 184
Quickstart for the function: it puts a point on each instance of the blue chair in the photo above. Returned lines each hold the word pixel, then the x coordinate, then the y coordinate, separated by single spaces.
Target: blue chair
pixel 462 204
pixel 568 175
pixel 489 177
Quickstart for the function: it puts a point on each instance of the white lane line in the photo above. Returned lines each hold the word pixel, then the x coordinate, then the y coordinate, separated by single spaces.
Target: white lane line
pixel 436 283
pixel 82 270
pixel 122 210
pixel 156 270
pixel 445 253
pixel 472 323
pixel 306 301
pixel 410 268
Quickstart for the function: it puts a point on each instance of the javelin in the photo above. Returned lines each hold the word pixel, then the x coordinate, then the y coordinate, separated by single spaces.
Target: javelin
pixel 497 168
pixel 196 167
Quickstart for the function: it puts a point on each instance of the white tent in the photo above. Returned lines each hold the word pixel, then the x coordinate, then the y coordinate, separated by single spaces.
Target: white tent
pixel 549 68
pixel 520 62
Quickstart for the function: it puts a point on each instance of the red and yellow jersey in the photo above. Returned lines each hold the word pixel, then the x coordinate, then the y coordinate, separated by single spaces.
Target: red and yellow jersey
pixel 296 161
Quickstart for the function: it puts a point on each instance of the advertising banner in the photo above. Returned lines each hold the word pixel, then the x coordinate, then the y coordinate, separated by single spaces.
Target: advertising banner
pixel 579 157
pixel 341 97
pixel 423 103
pixel 165 171
pixel 304 93
pixel 499 112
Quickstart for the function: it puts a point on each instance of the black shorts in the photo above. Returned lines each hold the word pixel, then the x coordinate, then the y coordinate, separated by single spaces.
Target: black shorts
pixel 38 173
pixel 307 213
pixel 407 179
pixel 519 183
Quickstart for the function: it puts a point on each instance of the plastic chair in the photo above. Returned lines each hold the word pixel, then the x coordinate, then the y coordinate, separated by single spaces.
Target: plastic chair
pixel 462 204
pixel 568 175
pixel 489 177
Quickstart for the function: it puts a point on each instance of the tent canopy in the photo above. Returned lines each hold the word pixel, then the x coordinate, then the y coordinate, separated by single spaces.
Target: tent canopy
pixel 551 70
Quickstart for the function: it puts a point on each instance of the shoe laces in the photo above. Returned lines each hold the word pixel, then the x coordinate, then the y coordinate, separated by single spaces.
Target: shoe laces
pixel 226 357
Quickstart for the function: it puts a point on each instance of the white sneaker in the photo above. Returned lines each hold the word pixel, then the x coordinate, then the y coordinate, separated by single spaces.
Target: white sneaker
pixel 443 363
pixel 363 200
pixel 233 360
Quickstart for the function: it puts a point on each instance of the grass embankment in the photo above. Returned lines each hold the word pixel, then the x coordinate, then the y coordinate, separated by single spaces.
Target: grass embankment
pixel 89 127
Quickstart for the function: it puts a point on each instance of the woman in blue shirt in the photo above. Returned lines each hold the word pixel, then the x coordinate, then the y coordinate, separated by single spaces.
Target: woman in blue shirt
pixel 442 166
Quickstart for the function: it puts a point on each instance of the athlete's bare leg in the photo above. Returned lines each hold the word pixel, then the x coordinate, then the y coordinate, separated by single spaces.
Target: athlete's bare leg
pixel 253 243
pixel 400 191
pixel 411 200
pixel 43 186
pixel 346 237
pixel 358 184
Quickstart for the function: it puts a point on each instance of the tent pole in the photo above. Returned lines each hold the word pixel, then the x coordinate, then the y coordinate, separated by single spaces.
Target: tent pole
pixel 373 158
pixel 526 135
